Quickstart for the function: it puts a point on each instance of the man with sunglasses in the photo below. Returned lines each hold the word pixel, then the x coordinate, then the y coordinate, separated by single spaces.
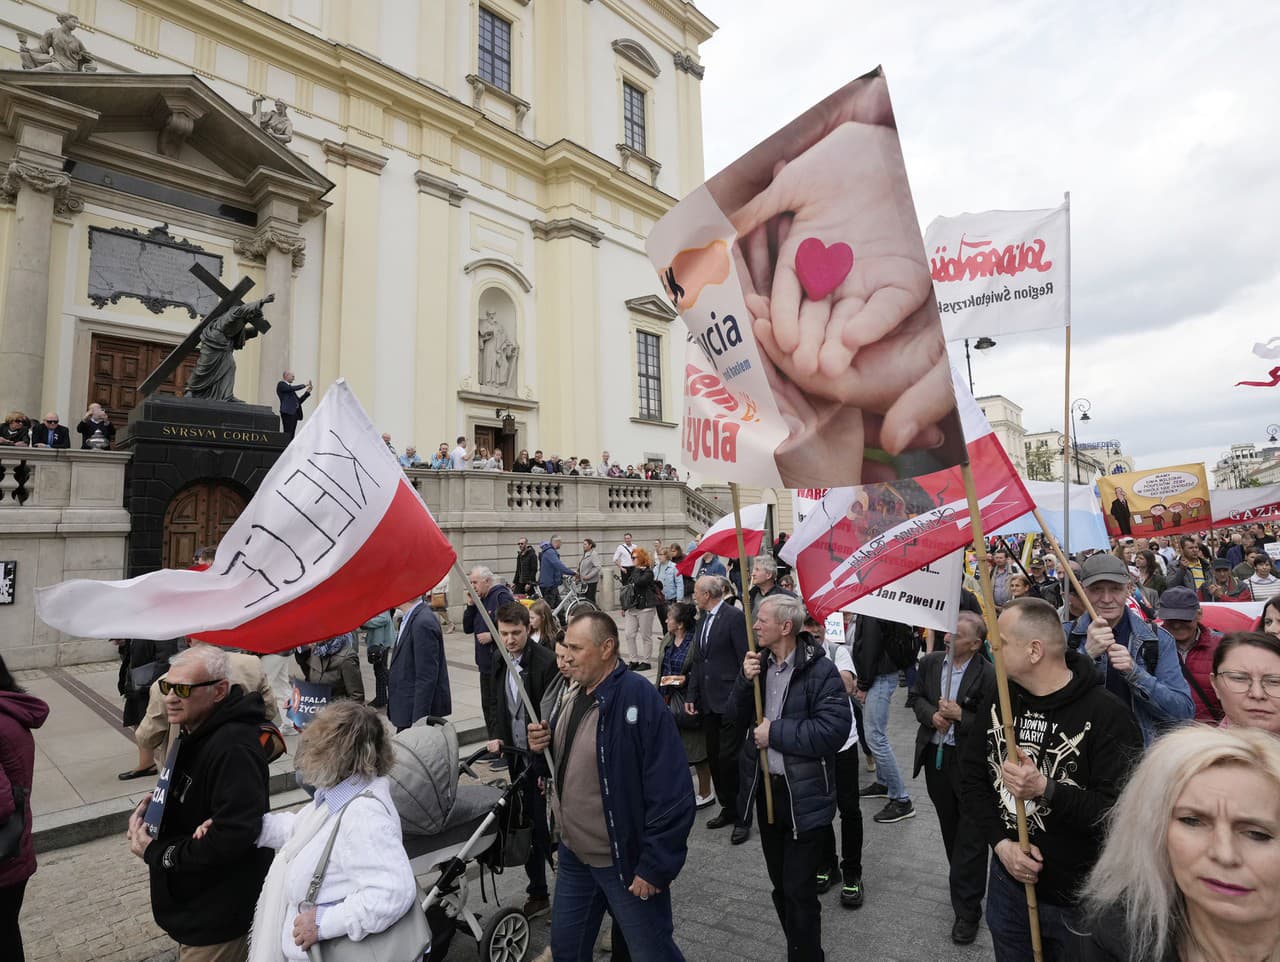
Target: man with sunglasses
pixel 203 890
pixel 49 433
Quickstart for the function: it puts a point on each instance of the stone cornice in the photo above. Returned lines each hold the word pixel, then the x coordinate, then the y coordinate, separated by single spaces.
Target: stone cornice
pixel 549 230
pixel 651 305
pixel 480 88
pixel 440 187
pixel 635 52
pixel 628 154
pixel 258 246
pixel 500 265
pixel 349 155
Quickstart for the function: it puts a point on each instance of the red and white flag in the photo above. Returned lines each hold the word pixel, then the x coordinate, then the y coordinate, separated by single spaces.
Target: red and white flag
pixel 1229 616
pixel 1230 506
pixel 862 538
pixel 1001 271
pixel 722 538
pixel 334 535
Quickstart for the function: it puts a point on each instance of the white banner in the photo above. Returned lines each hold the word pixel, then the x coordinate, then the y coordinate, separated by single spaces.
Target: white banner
pixel 1000 271
pixel 1088 528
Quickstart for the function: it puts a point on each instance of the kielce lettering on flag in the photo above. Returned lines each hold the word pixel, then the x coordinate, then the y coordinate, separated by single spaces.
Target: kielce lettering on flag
pixel 334 534
pixel 1228 506
pixel 722 538
pixel 862 538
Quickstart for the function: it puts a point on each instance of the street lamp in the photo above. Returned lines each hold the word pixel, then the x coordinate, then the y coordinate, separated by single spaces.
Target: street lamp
pixel 1272 431
pixel 1080 406
pixel 981 344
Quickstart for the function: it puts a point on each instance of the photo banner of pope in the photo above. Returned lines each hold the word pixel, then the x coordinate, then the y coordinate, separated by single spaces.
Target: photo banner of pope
pixel 334 535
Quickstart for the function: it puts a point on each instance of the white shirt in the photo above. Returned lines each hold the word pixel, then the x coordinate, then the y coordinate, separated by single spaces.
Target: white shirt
pixel 1264 588
pixel 844 662
pixel 622 556
pixel 458 458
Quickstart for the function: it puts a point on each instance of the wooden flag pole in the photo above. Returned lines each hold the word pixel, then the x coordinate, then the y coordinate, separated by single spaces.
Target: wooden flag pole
pixel 1002 688
pixel 743 573
pixel 1062 560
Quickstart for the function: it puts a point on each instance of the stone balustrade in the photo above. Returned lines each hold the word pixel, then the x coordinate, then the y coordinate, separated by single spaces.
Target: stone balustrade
pixel 61 516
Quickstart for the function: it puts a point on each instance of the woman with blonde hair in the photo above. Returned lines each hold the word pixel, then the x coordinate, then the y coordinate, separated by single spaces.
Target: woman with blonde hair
pixel 368 885
pixel 1191 868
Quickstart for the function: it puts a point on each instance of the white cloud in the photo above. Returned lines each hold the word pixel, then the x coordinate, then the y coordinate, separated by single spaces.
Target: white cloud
pixel 1159 118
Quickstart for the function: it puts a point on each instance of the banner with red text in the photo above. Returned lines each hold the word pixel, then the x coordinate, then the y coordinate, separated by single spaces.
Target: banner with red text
pixel 334 534
pixel 1245 505
pixel 815 356
pixel 858 539
pixel 1000 271
pixel 1159 501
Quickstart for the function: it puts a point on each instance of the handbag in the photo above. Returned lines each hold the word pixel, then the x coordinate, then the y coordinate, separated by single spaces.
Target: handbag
pixel 404 940
pixel 272 742
pixel 676 701
pixel 143 677
pixel 15 826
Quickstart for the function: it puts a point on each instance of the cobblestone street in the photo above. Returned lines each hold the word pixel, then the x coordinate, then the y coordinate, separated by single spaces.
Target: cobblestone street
pixel 90 903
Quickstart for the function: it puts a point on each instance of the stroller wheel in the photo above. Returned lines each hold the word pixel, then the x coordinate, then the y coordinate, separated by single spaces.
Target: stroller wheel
pixel 506 936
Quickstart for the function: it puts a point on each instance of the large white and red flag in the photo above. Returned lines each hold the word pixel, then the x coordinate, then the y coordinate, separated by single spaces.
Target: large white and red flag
pixel 861 538
pixel 334 534
pixel 1230 506
pixel 1000 271
pixel 722 538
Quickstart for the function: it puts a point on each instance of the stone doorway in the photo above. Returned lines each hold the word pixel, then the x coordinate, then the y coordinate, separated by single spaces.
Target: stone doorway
pixel 198 515
pixel 117 365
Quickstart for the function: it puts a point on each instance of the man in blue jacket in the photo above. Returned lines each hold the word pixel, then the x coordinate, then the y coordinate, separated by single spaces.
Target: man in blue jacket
pixel 623 800
pixel 807 717
pixel 1136 661
pixel 417 676
pixel 551 571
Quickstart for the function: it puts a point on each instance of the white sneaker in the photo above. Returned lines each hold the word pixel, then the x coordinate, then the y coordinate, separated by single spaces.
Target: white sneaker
pixel 702 801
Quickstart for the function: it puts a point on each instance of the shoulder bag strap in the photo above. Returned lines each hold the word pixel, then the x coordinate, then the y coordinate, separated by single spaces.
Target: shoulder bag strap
pixel 313 889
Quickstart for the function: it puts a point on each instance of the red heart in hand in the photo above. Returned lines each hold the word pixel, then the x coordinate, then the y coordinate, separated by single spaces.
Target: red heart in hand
pixel 822 269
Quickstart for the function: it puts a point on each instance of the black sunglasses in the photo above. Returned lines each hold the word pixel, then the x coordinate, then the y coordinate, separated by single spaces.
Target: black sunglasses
pixel 184 690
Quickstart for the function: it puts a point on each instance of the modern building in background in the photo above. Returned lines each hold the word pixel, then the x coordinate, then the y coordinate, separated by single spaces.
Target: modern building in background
pixel 1038 456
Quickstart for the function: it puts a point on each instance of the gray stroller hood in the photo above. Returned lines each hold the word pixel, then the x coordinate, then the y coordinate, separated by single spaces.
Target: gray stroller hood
pixel 424 776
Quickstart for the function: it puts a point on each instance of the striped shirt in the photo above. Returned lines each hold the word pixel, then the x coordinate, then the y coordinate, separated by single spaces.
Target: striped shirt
pixel 1264 588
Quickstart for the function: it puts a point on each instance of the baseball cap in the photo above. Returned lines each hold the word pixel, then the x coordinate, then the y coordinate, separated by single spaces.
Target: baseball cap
pixel 1179 604
pixel 1103 567
pixel 1037 563
pixel 1222 564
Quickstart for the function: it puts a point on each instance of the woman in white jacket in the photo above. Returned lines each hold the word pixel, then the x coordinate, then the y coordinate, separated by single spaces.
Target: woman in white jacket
pixel 345 753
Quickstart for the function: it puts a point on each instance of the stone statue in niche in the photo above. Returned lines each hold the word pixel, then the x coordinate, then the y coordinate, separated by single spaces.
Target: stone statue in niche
pixel 498 352
pixel 275 122
pixel 59 49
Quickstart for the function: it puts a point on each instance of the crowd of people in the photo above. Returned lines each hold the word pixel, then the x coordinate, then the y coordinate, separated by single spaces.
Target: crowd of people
pixel 1147 759
pixel 21 431
pixel 461 458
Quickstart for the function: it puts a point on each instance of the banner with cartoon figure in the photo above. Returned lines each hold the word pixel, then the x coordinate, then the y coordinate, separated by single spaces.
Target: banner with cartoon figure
pixel 1161 501
pixel 815 356
pixel 1000 271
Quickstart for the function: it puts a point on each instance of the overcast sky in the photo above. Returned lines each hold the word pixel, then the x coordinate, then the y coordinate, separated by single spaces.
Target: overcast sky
pixel 1161 120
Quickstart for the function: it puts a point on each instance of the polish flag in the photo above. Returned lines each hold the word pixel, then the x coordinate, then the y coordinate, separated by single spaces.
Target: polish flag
pixel 1244 505
pixel 334 535
pixel 722 538
pixel 1229 616
pixel 862 538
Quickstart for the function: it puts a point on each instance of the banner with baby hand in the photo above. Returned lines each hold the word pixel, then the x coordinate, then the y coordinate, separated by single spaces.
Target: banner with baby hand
pixel 815 354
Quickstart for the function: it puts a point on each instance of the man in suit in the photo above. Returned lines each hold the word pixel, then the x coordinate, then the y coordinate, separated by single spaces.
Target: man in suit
pixel 721 637
pixel 949 688
pixel 537 668
pixel 290 403
pixel 49 433
pixel 417 676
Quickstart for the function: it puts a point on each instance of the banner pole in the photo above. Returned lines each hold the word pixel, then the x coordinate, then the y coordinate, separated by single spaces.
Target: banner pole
pixel 1066 395
pixel 1073 581
pixel 743 572
pixel 529 708
pixel 1002 688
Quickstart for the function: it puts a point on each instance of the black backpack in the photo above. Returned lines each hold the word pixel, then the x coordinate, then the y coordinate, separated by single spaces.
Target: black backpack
pixel 898 642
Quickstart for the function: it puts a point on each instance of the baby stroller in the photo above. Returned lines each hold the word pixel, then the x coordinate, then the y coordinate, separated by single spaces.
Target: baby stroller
pixel 447 827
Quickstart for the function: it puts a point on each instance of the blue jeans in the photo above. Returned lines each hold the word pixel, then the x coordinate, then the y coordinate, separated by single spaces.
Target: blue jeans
pixel 583 893
pixel 1010 924
pixel 876 720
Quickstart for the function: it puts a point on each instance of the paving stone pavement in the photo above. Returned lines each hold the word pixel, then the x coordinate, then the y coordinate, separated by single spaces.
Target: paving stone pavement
pixel 90 903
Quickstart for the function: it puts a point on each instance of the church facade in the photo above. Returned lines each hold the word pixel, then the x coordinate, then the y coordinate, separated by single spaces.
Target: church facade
pixel 448 201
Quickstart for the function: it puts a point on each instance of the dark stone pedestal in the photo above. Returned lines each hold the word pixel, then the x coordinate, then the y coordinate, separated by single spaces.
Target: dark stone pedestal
pixel 177 442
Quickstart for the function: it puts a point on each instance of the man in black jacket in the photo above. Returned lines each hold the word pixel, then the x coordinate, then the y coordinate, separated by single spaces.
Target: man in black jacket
pixel 807 719
pixel 290 403
pixel 721 637
pixel 526 567
pixel 873 639
pixel 1077 742
pixel 949 688
pixel 49 433
pixel 417 673
pixel 203 890
pixel 537 667
pixel 493 596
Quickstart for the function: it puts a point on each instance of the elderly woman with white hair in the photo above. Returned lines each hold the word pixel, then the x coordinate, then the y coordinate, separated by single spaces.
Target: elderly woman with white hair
pixel 1191 867
pixel 368 885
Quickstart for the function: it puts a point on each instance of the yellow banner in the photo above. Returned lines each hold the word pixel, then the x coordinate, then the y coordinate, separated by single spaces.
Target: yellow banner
pixel 1161 501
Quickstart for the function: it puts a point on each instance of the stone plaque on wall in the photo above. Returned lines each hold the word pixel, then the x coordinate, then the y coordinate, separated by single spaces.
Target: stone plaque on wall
pixel 154 267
